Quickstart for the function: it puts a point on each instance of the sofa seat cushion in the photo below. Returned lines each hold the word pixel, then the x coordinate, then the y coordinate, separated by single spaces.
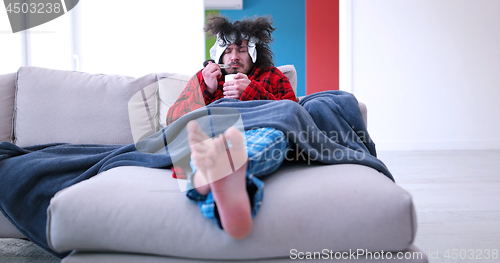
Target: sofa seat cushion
pixel 7 91
pixel 308 208
pixel 76 107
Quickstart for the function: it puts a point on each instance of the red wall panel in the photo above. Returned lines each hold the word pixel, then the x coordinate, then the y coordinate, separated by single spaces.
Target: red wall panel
pixel 322 45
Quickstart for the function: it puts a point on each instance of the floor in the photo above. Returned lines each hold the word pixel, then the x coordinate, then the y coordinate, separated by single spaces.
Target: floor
pixel 456 195
pixel 457 198
pixel 22 251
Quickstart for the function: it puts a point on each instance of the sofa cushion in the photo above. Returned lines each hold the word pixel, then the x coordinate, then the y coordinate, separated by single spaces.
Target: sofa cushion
pixel 74 107
pixel 7 91
pixel 308 208
pixel 172 85
pixel 143 112
pixel 291 74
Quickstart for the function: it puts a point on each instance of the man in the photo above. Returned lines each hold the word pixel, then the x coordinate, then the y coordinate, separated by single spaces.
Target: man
pixel 244 46
pixel 224 170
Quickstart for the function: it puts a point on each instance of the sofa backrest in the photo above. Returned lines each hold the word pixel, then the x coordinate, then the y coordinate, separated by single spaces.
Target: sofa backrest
pixel 170 87
pixel 7 91
pixel 40 105
pixel 73 107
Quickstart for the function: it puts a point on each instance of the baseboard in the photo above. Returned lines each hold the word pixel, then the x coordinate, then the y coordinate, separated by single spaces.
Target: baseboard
pixel 437 145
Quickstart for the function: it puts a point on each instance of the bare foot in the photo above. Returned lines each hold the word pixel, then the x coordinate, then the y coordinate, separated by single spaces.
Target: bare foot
pixel 224 170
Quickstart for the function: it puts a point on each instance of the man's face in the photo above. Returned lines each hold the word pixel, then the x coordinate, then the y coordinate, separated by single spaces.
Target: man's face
pixel 237 58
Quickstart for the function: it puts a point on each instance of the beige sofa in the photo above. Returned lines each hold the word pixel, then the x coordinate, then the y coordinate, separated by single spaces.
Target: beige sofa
pixel 137 214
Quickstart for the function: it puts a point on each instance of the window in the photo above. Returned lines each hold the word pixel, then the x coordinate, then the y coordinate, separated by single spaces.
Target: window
pixel 112 37
pixel 136 38
pixel 10 46
pixel 50 44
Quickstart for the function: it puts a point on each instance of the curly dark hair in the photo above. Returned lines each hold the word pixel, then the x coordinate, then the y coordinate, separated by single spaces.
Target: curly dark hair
pixel 257 27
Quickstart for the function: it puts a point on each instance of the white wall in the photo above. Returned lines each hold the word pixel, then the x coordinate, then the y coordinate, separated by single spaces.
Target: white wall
pixel 429 72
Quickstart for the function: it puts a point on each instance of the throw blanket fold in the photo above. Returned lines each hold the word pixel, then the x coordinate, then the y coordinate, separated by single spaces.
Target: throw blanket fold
pixel 30 177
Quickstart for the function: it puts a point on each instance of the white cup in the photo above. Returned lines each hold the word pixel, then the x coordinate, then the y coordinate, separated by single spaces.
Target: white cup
pixel 229 77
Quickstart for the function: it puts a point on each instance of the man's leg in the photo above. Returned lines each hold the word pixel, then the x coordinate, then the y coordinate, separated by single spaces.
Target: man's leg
pixel 223 173
pixel 328 116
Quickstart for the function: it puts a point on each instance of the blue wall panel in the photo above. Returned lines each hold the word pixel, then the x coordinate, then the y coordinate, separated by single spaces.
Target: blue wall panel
pixel 289 44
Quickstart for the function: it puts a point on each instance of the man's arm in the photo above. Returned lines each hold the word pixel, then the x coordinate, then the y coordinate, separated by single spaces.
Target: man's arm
pixel 273 85
pixel 211 74
pixel 194 96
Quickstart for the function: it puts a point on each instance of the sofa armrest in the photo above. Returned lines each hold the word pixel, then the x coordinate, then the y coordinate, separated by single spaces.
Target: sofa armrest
pixel 364 112
pixel 362 108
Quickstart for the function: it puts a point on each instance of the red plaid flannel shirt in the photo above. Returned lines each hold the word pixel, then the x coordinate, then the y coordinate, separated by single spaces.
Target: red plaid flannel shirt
pixel 266 84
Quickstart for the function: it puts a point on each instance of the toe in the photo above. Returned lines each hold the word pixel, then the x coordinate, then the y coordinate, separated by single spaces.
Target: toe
pixel 235 137
pixel 192 126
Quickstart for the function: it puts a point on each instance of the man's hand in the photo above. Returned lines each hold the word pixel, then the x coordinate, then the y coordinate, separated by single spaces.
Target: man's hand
pixel 210 74
pixel 234 88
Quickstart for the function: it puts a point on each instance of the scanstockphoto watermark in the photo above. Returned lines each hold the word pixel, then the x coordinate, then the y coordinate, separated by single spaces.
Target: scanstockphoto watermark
pixel 354 254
